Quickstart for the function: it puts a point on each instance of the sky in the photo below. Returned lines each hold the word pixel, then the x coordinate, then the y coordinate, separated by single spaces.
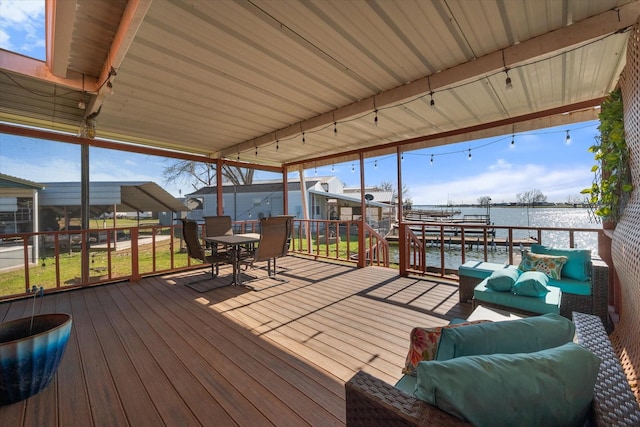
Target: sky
pixel 538 160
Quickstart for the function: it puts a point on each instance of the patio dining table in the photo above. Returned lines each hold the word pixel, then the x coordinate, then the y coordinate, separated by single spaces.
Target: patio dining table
pixel 235 243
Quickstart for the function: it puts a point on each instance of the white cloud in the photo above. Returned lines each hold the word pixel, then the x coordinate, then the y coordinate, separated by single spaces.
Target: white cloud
pixel 21 12
pixel 22 25
pixel 502 182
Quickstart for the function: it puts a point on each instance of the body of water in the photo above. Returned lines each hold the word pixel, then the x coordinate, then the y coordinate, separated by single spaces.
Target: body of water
pixel 521 217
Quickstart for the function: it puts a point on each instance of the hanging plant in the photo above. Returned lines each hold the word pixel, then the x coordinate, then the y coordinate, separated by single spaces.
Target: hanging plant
pixel 612 185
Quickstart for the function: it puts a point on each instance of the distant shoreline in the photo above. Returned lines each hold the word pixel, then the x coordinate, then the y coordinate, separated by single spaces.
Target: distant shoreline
pixel 503 205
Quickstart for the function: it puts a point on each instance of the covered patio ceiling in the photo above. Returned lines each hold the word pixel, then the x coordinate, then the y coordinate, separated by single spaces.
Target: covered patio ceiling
pixel 290 82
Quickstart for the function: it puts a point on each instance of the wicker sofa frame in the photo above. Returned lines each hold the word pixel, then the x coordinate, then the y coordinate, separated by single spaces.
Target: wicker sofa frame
pixel 372 402
pixel 597 303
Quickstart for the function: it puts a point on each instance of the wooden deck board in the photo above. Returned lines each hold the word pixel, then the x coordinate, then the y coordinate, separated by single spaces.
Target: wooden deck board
pixel 157 352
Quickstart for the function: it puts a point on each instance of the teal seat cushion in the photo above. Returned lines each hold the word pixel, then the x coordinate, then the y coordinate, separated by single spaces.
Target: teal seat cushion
pixel 503 280
pixel 550 303
pixel 512 336
pixel 572 286
pixel 480 269
pixel 578 265
pixel 552 387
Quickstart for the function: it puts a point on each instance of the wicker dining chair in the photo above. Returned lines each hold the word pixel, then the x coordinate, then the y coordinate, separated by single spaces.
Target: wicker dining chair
pixel 275 233
pixel 190 233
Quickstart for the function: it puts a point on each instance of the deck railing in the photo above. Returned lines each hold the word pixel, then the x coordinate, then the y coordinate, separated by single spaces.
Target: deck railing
pixel 338 240
pixel 419 238
pixel 129 253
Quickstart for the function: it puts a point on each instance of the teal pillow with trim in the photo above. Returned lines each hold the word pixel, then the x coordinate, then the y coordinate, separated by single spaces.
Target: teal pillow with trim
pixel 503 280
pixel 531 284
pixel 512 336
pixel 578 265
pixel 552 387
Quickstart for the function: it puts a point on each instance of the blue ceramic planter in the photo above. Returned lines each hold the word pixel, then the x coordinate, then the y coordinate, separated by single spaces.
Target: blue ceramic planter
pixel 30 354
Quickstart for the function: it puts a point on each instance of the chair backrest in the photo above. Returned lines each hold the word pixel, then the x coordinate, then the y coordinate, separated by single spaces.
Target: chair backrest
pixel 190 233
pixel 218 226
pixel 274 236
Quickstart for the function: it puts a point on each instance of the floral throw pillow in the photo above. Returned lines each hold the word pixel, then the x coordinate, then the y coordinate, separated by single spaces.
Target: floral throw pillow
pixel 424 345
pixel 550 265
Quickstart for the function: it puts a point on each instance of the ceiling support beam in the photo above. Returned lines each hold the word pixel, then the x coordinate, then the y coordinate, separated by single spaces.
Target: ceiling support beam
pixel 54 70
pixel 60 16
pixel 518 55
pixel 130 23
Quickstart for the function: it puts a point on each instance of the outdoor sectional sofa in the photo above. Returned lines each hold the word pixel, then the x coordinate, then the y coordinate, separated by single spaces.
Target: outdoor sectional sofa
pixel 584 283
pixel 372 402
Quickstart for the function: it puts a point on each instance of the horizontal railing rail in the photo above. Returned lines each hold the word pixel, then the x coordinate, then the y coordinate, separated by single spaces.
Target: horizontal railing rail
pixel 502 242
pixel 58 258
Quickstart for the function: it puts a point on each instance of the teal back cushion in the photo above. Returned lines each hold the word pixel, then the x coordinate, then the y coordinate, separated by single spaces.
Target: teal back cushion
pixel 503 280
pixel 512 336
pixel 578 265
pixel 552 387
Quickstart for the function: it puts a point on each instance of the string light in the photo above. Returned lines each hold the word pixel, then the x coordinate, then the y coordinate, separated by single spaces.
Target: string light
pixel 332 168
pixel 431 161
pixel 335 129
pixel 303 140
pixel 256 151
pixel 469 153
pixel 353 168
pixel 402 156
pixel 513 140
pixel 277 144
pixel 432 102
pixel 568 138
pixel 375 119
pixel 315 170
pixel 507 83
pixel 375 164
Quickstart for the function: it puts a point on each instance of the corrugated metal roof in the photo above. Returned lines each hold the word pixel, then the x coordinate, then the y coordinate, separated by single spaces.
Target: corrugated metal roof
pixel 125 196
pixel 245 80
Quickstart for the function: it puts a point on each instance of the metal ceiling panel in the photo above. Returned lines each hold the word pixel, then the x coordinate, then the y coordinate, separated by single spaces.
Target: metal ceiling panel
pixel 229 78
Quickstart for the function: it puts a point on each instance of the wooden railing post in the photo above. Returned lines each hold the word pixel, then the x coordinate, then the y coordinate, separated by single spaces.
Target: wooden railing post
pixel 135 262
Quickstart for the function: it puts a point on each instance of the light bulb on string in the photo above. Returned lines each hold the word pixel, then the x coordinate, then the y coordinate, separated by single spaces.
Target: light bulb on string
pixel 335 129
pixel 432 102
pixel 568 138
pixel 375 119
pixel 513 140
pixel 375 164
pixel 256 151
pixel 277 144
pixel 315 170
pixel 469 157
pixel 332 168
pixel 353 168
pixel 431 161
pixel 303 139
pixel 507 83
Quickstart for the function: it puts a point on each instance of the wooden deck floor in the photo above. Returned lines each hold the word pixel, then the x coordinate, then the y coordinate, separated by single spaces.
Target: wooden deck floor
pixel 157 352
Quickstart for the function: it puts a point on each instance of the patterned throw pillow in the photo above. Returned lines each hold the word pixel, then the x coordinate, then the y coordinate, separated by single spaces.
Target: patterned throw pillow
pixel 424 345
pixel 548 264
